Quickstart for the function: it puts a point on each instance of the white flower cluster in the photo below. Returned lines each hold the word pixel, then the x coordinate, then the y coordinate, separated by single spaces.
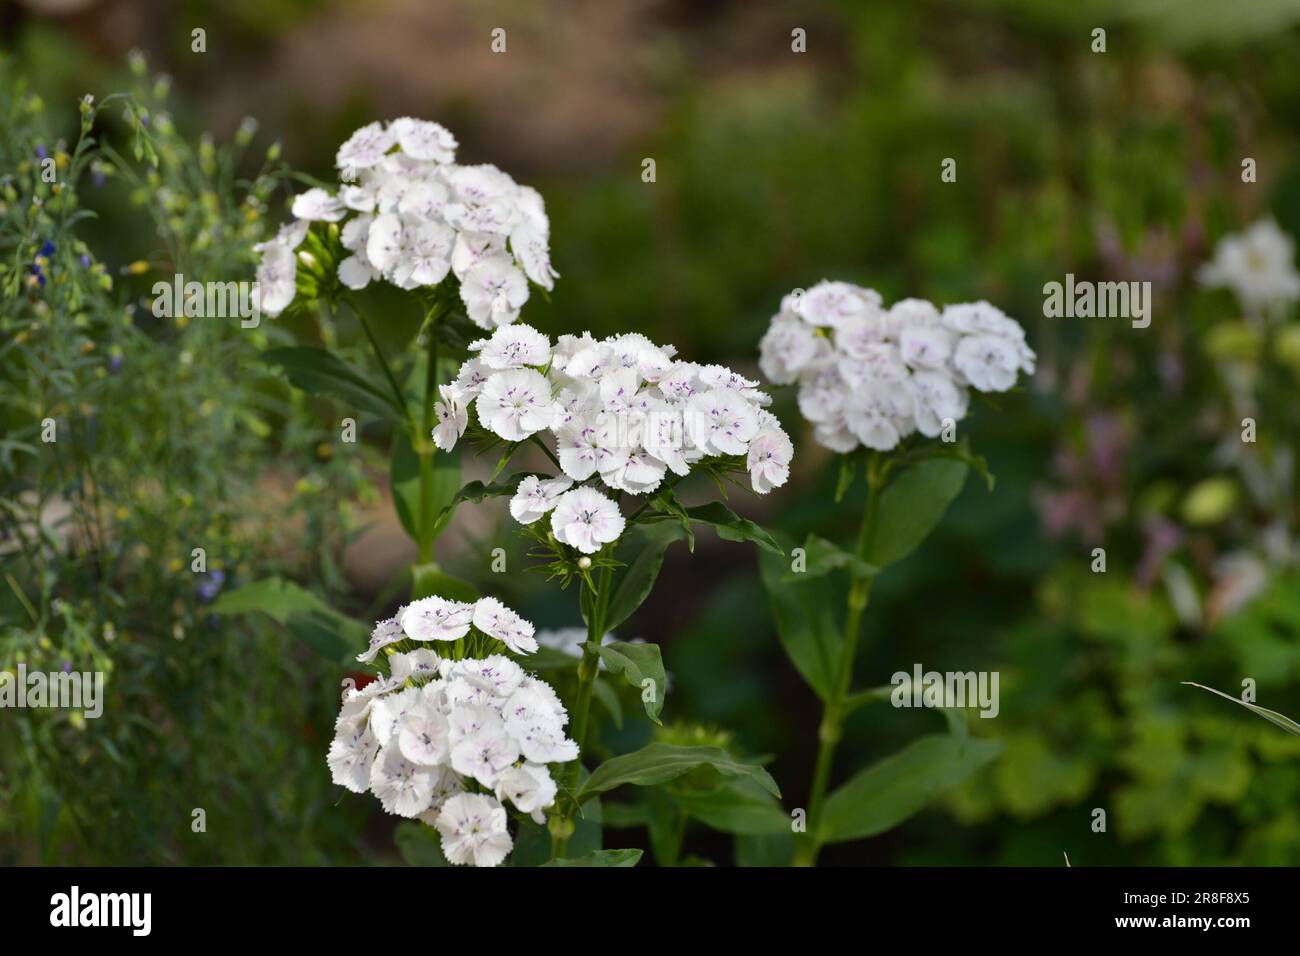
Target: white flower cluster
pixel 621 409
pixel 412 216
pixel 1257 265
pixel 873 375
pixel 450 742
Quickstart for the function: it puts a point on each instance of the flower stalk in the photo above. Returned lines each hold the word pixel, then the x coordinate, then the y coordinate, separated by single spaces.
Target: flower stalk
pixel 835 709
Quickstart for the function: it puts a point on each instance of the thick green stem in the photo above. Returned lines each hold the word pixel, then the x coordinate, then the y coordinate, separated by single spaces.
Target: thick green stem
pixel 834 711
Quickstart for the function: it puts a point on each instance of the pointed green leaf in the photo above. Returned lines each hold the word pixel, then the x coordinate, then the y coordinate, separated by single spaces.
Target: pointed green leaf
pixel 659 762
pixel 731 527
pixel 1272 716
pixel 319 371
pixel 803 609
pixel 911 505
pixel 639 663
pixel 887 793
pixel 600 858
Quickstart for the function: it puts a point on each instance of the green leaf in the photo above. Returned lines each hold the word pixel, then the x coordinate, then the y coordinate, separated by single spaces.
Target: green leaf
pixel 476 491
pixel 429 579
pixel 322 372
pixel 803 609
pixel 768 850
pixel 911 505
pixel 848 466
pixel 887 793
pixel 731 527
pixel 1272 716
pixel 419 844
pixel 666 502
pixel 635 583
pixel 601 691
pixel 740 806
pixel 600 858
pixel 822 556
pixel 311 620
pixel 404 481
pixel 638 663
pixel 659 762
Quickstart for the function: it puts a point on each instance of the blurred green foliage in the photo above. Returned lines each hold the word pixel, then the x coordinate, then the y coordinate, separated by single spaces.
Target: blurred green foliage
pixel 771 175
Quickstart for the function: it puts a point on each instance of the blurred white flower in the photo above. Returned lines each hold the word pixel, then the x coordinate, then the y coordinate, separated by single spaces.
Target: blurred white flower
pixel 1257 265
pixel 871 377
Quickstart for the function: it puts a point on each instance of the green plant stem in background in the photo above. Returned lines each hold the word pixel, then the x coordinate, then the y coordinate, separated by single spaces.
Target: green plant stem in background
pixel 424 447
pixel 834 711
pixel 597 600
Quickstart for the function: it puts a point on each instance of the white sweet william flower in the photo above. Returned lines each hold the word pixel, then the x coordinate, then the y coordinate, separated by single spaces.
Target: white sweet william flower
pixel 483 754
pixel 493 291
pixel 585 519
pixel 496 673
pixel 437 619
pixel 988 362
pixel 879 414
pixel 419 664
pixel 721 422
pixel 621 409
pixel 423 736
pixel 513 346
pixel 529 787
pixel 410 215
pixel 936 399
pixel 637 473
pixel 363 149
pixel 925 347
pixel 788 347
pixel 277 277
pixel 452 415
pixel 384 242
pixel 496 620
pixel 384 633
pixel 473 830
pixel 356 273
pixel 438 729
pixel 404 788
pixel 515 404
pixel 351 755
pixel 535 497
pixel 870 377
pixel 587 445
pixel 831 303
pixel 770 454
pixel 422 139
pixel 425 256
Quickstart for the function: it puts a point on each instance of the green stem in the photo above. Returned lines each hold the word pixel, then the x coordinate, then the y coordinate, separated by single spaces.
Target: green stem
pixel 834 711
pixel 562 825
pixel 398 394
pixel 424 448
